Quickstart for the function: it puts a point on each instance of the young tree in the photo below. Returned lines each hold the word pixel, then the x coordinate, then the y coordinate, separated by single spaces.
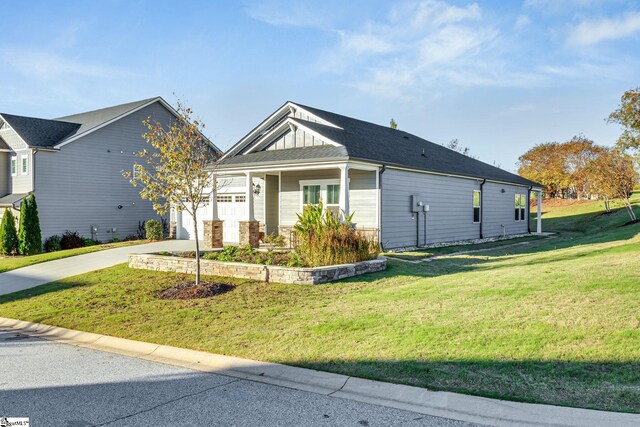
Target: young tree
pixel 578 153
pixel 8 234
pixel 393 124
pixel 613 176
pixel 176 171
pixel 545 163
pixel 23 227
pixel 628 115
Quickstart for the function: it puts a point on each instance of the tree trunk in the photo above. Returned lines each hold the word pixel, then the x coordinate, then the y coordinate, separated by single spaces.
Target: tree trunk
pixel 607 208
pixel 195 230
pixel 627 203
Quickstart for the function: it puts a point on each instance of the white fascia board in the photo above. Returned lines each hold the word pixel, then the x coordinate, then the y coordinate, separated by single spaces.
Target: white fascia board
pixel 458 176
pixel 319 119
pixel 115 119
pixel 275 116
pixel 306 166
pixel 11 129
pixel 266 139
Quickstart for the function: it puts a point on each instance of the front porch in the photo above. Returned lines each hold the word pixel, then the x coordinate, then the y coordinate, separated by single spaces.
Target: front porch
pixel 249 204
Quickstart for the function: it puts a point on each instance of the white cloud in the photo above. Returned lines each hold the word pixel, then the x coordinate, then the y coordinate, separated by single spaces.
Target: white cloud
pixel 522 22
pixel 45 65
pixel 592 32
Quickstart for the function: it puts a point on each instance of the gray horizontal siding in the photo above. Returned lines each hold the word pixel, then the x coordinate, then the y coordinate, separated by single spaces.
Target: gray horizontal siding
pixel 82 184
pixel 499 210
pixel 450 202
pixel 22 183
pixel 290 191
pixel 5 173
pixel 450 216
pixel 363 198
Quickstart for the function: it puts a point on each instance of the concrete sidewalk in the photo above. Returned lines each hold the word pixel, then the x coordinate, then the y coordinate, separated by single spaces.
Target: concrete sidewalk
pixel 45 272
pixel 446 405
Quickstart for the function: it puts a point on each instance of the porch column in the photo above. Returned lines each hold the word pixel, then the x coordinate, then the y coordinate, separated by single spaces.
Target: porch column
pixel 249 228
pixel 344 191
pixel 178 223
pixel 213 236
pixel 539 217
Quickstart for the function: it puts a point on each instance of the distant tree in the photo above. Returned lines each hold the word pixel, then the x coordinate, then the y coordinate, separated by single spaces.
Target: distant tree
pixel 628 115
pixel 613 175
pixel 177 171
pixel 545 164
pixel 578 153
pixel 393 124
pixel 8 234
pixel 455 145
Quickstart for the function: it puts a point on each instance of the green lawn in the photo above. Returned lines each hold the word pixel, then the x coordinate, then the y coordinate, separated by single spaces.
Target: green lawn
pixel 11 263
pixel 553 321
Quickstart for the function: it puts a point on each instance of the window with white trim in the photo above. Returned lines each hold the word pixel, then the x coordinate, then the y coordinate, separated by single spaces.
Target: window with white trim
pixel 14 166
pixel 520 207
pixel 24 165
pixel 222 198
pixel 241 198
pixel 326 190
pixel 477 200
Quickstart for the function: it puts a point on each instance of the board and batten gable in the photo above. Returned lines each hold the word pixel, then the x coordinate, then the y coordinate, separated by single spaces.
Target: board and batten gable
pixel 82 184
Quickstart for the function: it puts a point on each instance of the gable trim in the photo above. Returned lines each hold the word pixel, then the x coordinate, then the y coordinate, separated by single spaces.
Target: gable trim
pixel 115 119
pixel 10 128
pixel 289 122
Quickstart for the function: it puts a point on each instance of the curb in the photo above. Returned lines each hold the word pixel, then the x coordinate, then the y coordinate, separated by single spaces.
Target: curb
pixel 435 403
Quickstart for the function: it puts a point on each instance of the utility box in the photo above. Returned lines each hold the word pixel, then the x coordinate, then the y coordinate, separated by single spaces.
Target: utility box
pixel 425 208
pixel 416 204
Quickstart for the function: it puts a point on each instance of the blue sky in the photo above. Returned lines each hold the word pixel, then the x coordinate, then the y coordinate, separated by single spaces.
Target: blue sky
pixel 500 76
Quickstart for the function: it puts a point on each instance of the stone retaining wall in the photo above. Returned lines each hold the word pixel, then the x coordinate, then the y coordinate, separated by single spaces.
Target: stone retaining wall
pixel 264 273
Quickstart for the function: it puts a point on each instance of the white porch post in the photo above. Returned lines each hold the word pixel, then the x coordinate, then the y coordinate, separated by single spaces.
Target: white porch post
pixel 249 190
pixel 539 217
pixel 344 190
pixel 214 198
pixel 178 223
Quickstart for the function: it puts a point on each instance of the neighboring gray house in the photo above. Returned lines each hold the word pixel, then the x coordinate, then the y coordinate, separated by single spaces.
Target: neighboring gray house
pixel 74 166
pixel 405 190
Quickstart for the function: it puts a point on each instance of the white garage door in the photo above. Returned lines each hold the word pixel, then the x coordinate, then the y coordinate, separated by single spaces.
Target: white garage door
pixel 231 209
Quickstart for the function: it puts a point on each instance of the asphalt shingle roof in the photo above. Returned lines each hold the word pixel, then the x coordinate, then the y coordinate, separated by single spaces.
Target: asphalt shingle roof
pixel 10 199
pixel 40 132
pixel 45 133
pixel 272 157
pixel 380 144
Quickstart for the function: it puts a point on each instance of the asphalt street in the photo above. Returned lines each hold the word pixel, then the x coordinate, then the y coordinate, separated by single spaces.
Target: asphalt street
pixel 56 384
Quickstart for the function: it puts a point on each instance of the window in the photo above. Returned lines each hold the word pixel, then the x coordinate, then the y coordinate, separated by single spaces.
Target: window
pixel 14 166
pixel 310 194
pixel 333 199
pixel 241 199
pixel 476 205
pixel 520 207
pixel 224 199
pixel 24 165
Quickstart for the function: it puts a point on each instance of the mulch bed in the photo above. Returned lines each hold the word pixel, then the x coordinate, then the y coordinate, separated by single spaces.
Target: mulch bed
pixel 191 291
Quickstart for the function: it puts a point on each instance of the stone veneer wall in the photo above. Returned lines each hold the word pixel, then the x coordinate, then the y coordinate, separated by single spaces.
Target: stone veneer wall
pixel 264 273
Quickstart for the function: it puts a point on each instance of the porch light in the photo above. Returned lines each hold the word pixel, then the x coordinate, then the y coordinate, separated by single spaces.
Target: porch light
pixel 256 189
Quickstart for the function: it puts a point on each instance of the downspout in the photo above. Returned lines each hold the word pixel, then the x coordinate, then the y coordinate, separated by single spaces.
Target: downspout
pixel 527 209
pixel 380 172
pixel 482 206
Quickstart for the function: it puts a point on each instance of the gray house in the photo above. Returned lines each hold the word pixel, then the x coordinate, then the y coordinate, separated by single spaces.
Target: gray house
pixel 74 166
pixel 401 188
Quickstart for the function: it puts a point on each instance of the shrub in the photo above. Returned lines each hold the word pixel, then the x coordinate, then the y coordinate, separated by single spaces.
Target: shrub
pixel 52 244
pixel 325 240
pixel 153 230
pixel 115 240
pixel 29 236
pixel 131 237
pixel 141 231
pixel 250 255
pixel 91 242
pixel 8 234
pixel 275 239
pixel 71 240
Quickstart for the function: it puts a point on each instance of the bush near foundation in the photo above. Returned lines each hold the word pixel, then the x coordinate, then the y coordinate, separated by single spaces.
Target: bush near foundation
pixel 153 229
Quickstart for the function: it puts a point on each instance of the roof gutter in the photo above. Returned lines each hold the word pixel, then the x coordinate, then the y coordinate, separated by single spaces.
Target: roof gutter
pixel 528 209
pixel 380 172
pixel 482 206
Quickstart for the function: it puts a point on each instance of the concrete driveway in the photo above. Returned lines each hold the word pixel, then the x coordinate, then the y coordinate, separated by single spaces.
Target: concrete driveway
pixel 45 272
pixel 59 384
